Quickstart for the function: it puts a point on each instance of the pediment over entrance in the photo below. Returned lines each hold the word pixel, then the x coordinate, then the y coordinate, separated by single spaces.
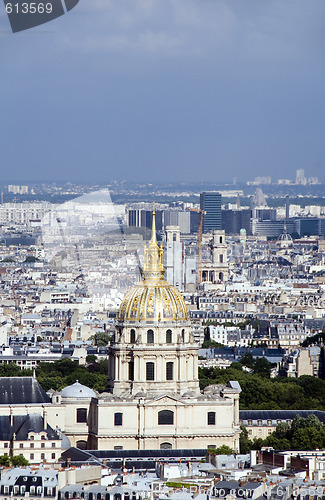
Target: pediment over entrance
pixel 166 400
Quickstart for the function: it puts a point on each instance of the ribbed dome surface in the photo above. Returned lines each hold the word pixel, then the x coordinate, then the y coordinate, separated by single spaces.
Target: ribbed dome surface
pixel 77 390
pixel 153 301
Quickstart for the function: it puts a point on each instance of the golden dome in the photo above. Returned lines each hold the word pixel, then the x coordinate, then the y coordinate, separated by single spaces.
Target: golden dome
pixel 153 299
pixel 153 302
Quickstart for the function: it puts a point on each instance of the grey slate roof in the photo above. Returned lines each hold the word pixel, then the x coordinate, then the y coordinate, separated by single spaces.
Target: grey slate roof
pixel 22 425
pixel 279 414
pixel 21 390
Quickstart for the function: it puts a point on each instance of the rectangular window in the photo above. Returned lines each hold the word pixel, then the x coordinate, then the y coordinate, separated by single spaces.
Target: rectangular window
pixel 53 445
pixel 21 445
pixel 81 415
pixel 6 445
pixel 118 418
pixel 131 370
pixel 32 445
pixel 150 371
pixel 31 456
pixel 42 445
pixel 211 418
pixel 118 447
pixel 169 370
pixel 53 456
pixel 42 456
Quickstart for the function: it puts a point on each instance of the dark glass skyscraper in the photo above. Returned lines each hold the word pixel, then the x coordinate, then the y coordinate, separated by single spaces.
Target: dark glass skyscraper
pixel 210 202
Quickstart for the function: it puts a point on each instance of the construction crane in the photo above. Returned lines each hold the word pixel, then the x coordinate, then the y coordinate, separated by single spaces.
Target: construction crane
pixel 201 213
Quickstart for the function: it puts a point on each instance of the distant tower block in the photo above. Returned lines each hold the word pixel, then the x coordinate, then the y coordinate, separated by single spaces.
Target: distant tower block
pixel 216 270
pixel 174 257
pixel 287 208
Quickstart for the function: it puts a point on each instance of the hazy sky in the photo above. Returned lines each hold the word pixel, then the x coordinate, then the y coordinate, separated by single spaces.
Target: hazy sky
pixel 165 89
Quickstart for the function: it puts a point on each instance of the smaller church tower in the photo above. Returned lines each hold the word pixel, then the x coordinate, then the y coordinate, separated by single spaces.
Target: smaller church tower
pixel 215 270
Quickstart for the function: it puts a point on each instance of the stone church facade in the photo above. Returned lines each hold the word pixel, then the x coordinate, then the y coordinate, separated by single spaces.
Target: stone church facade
pixel 153 399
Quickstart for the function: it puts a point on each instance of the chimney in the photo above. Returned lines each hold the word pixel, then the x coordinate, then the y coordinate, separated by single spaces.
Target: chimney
pixel 45 418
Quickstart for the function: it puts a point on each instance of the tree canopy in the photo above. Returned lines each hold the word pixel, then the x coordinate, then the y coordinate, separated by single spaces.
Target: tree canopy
pixel 259 392
pixel 303 434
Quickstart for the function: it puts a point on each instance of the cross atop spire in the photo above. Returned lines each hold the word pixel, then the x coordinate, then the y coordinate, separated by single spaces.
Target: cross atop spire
pixel 153 268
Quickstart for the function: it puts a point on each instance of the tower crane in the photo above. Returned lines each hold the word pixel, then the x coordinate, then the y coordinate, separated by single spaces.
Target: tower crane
pixel 201 213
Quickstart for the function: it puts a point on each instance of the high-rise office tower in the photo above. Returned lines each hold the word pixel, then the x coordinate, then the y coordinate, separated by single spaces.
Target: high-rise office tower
pixel 300 176
pixel 210 203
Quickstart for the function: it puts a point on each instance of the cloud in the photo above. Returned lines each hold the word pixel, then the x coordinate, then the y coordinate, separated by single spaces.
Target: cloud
pixel 253 29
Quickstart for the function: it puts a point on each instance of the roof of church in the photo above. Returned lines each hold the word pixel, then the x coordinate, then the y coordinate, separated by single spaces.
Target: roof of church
pixel 21 391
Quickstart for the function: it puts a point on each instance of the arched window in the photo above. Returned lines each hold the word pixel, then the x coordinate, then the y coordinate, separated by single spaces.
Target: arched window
pixel 183 335
pixel 150 371
pixel 150 337
pixel 166 446
pixel 132 336
pixel 166 417
pixel 169 337
pixel 211 418
pixel 169 370
pixel 221 257
pixel 81 415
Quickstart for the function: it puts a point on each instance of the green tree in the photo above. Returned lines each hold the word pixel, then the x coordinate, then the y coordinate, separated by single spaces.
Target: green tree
pixel 19 461
pixel 222 450
pixel 100 339
pixel 91 358
pixel 4 460
pixel 262 367
pixel 31 258
pixel 207 344
pixel 247 360
pixel 245 444
pixel 308 438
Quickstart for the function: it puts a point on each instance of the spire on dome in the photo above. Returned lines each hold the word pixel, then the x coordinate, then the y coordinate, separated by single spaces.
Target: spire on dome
pixel 153 268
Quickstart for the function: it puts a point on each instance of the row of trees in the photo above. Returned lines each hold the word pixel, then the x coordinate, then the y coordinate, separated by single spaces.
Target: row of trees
pixel 15 461
pixel 64 372
pixel 262 393
pixel 303 434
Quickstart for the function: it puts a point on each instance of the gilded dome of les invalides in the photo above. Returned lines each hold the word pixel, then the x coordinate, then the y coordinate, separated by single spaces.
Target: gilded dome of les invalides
pixel 153 299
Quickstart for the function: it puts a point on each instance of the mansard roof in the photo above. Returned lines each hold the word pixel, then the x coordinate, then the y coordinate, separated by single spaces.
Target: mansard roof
pixel 21 391
pixel 22 425
pixel 279 414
